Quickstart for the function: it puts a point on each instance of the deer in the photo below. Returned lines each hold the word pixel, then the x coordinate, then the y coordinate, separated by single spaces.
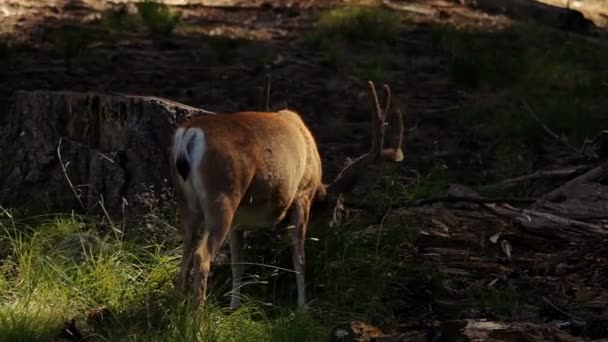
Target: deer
pixel 250 170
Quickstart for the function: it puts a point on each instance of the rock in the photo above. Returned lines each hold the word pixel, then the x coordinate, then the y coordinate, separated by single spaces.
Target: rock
pixel 64 151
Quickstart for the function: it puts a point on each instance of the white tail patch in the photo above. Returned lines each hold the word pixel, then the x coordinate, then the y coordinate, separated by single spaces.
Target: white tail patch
pixel 189 149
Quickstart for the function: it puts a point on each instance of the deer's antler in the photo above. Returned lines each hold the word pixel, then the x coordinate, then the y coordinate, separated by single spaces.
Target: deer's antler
pixel 347 176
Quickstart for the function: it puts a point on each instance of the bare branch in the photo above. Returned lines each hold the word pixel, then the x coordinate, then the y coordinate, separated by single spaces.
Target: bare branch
pixel 588 176
pixel 268 84
pixel 541 174
pixel 468 199
pixel 546 128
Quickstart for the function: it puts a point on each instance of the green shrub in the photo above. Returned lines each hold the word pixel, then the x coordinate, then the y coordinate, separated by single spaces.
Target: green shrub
pixel 157 17
pixel 357 23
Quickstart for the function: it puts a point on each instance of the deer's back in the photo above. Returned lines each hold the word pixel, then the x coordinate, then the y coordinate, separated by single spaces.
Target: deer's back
pixel 264 159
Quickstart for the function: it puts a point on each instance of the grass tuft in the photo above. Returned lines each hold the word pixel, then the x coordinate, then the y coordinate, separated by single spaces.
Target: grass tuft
pixel 42 286
pixel 559 75
pixel 358 23
pixel 157 17
pixel 5 49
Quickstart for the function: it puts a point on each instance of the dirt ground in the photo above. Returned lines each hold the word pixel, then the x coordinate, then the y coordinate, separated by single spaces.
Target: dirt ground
pixel 564 283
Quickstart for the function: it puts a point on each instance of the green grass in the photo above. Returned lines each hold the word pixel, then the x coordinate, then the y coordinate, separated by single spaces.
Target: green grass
pixel 154 17
pixel 224 48
pixel 352 31
pixel 561 76
pixel 70 42
pixel 157 17
pixel 390 192
pixel 358 23
pixel 5 49
pixel 503 302
pixel 45 281
pixel 118 21
pixel 58 267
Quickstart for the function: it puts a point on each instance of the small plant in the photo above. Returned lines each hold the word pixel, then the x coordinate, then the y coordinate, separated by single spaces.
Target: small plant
pixel 501 301
pixel 157 17
pixel 358 23
pixel 119 19
pixel 435 182
pixel 5 50
pixel 375 69
pixel 70 42
pixel 224 48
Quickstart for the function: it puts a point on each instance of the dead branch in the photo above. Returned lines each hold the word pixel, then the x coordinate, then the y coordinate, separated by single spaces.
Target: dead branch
pixel 346 178
pixel 561 311
pixel 554 226
pixel 268 84
pixel 541 174
pixel 587 176
pixel 554 135
pixel 468 199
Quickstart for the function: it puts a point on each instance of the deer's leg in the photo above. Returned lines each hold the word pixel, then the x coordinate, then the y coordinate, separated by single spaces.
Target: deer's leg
pixel 218 219
pixel 299 222
pixel 190 223
pixel 236 258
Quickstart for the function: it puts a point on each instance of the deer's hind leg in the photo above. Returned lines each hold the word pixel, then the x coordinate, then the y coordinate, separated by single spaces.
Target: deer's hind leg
pixel 218 221
pixel 299 221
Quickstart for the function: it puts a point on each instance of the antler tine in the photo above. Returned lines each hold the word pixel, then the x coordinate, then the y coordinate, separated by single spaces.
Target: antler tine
pixel 387 90
pixel 398 138
pixel 377 126
pixel 375 98
pixel 347 177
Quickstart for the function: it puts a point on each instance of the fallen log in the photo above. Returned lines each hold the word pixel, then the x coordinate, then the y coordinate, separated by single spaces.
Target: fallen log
pixel 535 11
pixel 484 330
pixel 550 225
pixel 541 174
pixel 561 191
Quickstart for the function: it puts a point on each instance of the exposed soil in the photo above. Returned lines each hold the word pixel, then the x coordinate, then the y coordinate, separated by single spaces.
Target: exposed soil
pixel 555 281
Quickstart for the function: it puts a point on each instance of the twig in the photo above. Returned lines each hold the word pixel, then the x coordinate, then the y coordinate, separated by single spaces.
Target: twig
pixel 468 199
pixel 384 217
pixel 560 310
pixel 65 174
pixel 546 128
pixel 268 84
pixel 541 174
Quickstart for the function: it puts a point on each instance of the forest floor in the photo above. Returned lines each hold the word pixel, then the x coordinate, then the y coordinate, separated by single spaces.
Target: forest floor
pixel 485 99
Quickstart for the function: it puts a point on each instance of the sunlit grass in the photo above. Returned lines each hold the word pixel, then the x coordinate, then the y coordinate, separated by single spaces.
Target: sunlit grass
pixel 61 267
pixel 358 23
pixel 157 17
pixel 153 16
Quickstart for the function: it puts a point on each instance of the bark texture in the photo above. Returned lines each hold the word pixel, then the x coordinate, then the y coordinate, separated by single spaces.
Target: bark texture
pixel 64 151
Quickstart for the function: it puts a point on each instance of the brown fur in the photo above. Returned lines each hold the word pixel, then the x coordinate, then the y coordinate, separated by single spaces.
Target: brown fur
pixel 256 168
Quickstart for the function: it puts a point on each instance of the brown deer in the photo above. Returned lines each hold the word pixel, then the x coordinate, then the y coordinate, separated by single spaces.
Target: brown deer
pixel 251 170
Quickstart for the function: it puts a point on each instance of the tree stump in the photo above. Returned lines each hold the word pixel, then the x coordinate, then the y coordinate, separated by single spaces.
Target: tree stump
pixel 87 152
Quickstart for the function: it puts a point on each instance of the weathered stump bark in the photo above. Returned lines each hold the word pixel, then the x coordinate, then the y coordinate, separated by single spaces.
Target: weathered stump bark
pixel 64 151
